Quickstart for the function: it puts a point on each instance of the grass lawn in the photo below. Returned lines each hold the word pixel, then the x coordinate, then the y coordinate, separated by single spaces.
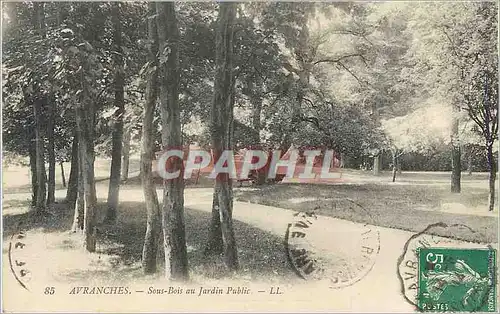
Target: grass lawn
pixel 406 207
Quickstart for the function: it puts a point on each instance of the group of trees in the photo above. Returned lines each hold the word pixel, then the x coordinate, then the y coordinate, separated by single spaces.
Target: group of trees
pixel 89 78
pixel 452 62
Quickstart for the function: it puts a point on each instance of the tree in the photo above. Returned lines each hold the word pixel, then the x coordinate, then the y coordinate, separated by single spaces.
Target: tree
pixel 151 239
pixel 462 66
pixel 221 130
pixel 72 191
pixel 173 196
pixel 85 123
pixel 125 156
pixel 37 103
pixel 478 64
pixel 424 130
pixel 51 116
pixel 117 134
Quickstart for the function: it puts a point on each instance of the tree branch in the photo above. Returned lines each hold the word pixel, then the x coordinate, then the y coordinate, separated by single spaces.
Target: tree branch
pixel 339 59
pixel 354 75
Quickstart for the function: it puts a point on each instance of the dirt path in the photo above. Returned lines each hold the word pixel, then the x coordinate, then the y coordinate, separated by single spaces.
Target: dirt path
pixel 378 290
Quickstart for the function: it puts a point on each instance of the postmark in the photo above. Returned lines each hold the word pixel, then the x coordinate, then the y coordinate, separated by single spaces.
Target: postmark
pixel 18 258
pixel 337 252
pixel 408 262
pixel 458 280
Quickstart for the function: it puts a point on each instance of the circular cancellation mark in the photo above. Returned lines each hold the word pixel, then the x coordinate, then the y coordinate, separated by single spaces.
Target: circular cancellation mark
pixel 17 258
pixel 337 251
pixel 408 262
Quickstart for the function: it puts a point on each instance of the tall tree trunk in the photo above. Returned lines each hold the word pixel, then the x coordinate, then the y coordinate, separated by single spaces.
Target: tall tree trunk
pixel 51 152
pixel 63 177
pixel 221 127
pixel 40 159
pixel 174 234
pixel 34 181
pixel 215 245
pixel 85 123
pixel 72 192
pixel 376 165
pixel 39 25
pixel 117 136
pixel 125 155
pixel 456 167
pixel 150 248
pixel 394 165
pixel 79 216
pixel 492 169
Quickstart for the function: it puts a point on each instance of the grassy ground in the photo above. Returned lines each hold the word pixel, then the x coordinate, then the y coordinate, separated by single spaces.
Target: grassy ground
pixel 17 179
pixel 407 207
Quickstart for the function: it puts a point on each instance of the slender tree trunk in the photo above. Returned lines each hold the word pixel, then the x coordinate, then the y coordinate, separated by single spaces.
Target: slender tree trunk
pixel 174 233
pixel 117 136
pixel 150 248
pixel 394 165
pixel 87 159
pixel 40 159
pixel 51 153
pixel 85 122
pixel 456 167
pixel 221 128
pixel 376 165
pixel 492 169
pixel 215 245
pixel 79 216
pixel 72 191
pixel 34 181
pixel 63 177
pixel 39 25
pixel 126 156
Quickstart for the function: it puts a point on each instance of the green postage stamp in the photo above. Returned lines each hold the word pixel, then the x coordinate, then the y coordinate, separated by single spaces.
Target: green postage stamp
pixel 457 280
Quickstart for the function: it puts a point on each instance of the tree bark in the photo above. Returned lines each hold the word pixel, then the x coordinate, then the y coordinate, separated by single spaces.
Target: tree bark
pixel 176 261
pixel 51 153
pixel 117 136
pixel 40 159
pixel 150 248
pixel 376 165
pixel 456 167
pixel 126 156
pixel 221 128
pixel 394 165
pixel 79 216
pixel 63 177
pixel 215 244
pixel 34 181
pixel 39 25
pixel 85 123
pixel 492 176
pixel 72 191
